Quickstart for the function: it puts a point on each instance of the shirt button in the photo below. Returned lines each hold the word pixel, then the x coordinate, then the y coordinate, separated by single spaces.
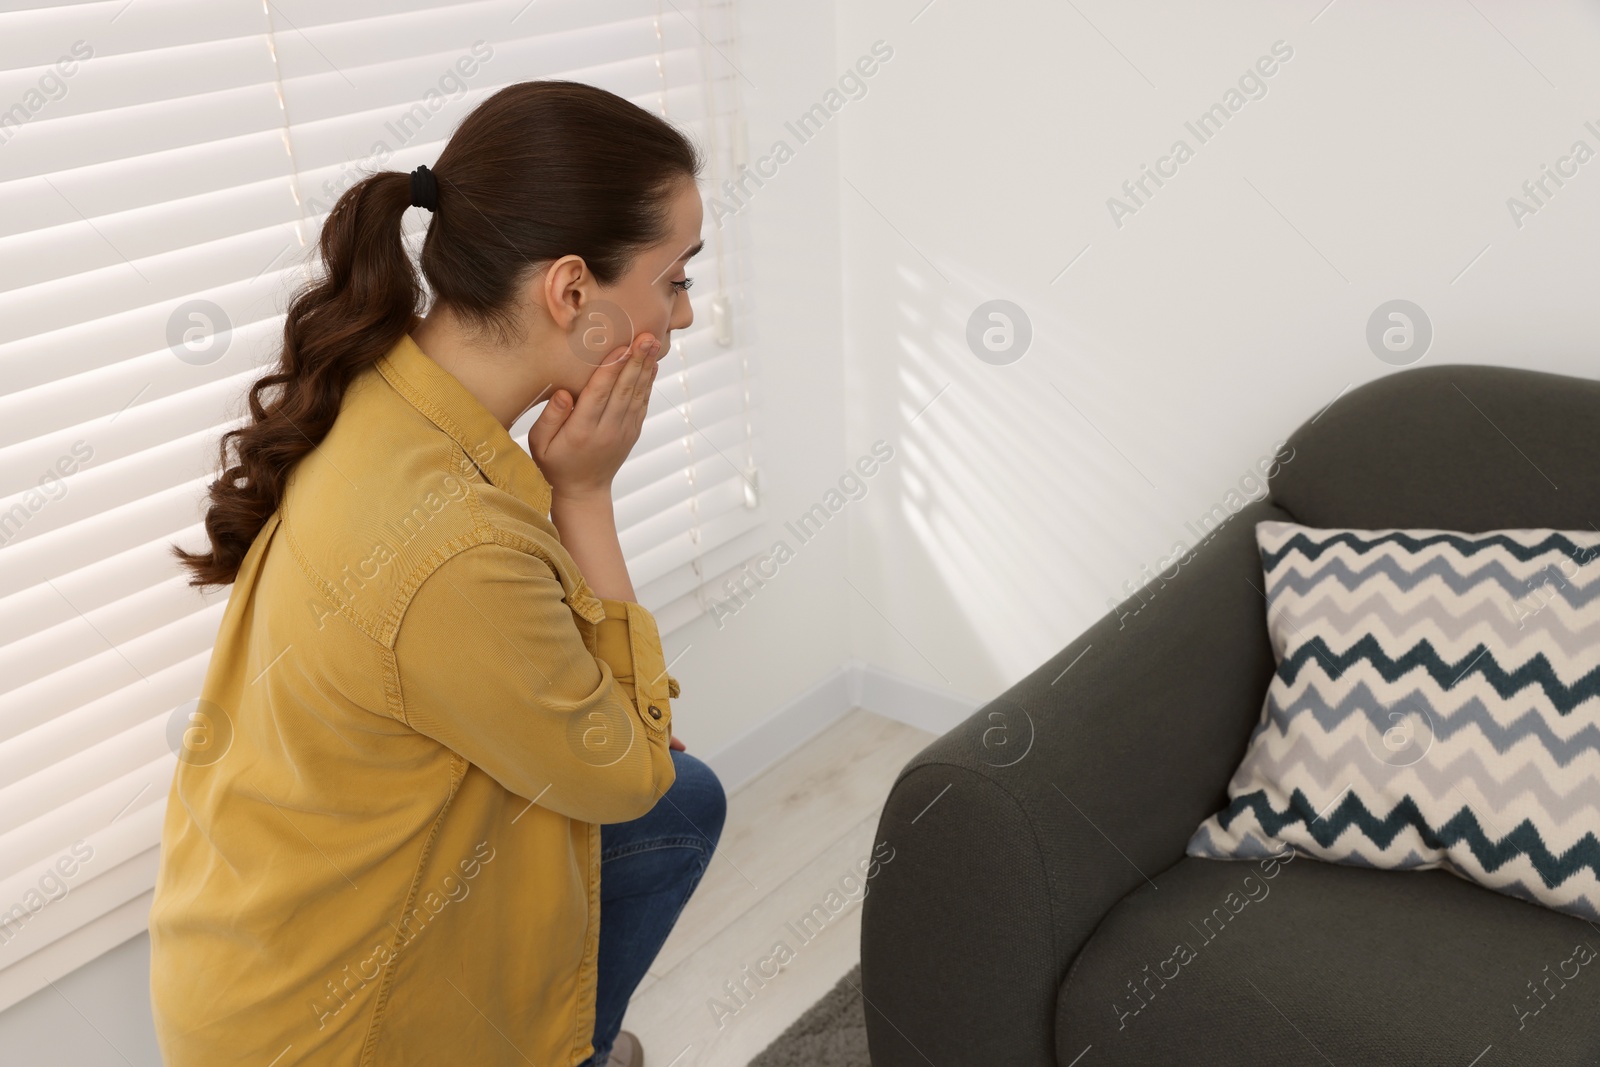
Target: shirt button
pixel 655 712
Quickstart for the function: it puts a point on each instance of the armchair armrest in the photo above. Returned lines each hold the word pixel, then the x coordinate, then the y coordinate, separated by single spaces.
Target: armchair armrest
pixel 1017 831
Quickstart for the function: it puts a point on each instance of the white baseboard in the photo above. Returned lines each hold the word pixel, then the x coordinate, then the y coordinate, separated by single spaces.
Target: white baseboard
pixel 853 684
pixel 905 700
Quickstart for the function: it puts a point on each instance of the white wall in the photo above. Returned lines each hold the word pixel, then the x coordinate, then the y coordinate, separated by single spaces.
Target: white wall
pixel 1228 310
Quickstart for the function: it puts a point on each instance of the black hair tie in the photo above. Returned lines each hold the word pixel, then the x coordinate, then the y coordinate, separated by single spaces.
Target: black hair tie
pixel 424 189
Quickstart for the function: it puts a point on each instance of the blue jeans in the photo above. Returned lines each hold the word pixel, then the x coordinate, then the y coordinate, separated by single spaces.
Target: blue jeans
pixel 649 866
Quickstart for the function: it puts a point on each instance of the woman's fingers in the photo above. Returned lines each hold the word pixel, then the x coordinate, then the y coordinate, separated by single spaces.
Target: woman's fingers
pixel 627 383
pixel 632 383
pixel 640 401
pixel 596 394
pixel 646 388
pixel 614 400
pixel 550 420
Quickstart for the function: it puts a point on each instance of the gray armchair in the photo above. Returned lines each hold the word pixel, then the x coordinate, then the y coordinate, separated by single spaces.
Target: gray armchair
pixel 1032 901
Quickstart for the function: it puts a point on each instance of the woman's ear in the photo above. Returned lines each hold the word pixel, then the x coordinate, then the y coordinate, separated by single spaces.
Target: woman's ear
pixel 559 288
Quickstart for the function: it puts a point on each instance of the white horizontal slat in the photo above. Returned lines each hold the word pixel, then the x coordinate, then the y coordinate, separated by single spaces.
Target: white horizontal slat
pixel 60 647
pixel 223 229
pixel 716 453
pixel 135 774
pixel 715 489
pixel 71 951
pixel 115 285
pixel 120 482
pixel 687 531
pixel 110 685
pixel 35 36
pixel 157 201
pixel 127 881
pixel 352 68
pixel 129 353
pixel 754 538
pixel 696 364
pixel 25 562
pixel 408 131
pixel 138 428
pixel 111 835
pixel 678 598
pixel 62 144
pixel 673 433
pixel 416 20
pixel 86 790
pixel 141 568
pixel 117 72
pixel 719 538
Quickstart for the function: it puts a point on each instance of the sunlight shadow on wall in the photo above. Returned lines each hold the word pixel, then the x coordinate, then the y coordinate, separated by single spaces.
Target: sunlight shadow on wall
pixel 1022 509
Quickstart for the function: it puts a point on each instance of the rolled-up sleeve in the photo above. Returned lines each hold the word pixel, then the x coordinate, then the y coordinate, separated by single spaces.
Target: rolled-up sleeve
pixel 627 636
pixel 490 661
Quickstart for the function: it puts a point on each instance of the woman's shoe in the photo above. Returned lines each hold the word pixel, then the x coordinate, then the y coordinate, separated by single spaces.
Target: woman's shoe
pixel 626 1051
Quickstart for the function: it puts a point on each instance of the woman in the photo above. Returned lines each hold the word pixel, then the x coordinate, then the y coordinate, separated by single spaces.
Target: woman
pixel 430 810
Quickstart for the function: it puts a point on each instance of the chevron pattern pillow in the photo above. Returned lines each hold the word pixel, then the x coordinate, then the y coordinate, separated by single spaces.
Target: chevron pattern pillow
pixel 1436 705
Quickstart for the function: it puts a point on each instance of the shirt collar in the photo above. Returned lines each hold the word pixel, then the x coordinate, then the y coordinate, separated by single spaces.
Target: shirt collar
pixel 437 393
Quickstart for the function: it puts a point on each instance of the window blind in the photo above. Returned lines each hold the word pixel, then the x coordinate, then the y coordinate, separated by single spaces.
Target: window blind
pixel 165 167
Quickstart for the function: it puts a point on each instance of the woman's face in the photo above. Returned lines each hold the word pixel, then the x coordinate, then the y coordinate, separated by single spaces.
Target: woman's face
pixel 651 298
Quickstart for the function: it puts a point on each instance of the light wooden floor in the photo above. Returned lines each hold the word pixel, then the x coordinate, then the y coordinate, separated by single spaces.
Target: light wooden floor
pixel 793 835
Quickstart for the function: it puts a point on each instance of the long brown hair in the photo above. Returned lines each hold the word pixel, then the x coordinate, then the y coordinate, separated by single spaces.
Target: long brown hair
pixel 539 170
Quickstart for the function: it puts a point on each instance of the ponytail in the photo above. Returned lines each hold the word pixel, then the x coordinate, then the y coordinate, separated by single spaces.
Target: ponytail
pixel 335 328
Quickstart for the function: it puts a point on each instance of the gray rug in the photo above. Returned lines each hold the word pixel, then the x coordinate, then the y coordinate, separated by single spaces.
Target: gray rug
pixel 832 1032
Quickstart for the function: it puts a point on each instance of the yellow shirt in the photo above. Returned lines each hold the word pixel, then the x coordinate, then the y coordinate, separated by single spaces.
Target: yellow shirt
pixel 382 840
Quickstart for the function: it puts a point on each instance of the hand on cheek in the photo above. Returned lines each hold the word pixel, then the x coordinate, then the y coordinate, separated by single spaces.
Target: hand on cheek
pixel 579 445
